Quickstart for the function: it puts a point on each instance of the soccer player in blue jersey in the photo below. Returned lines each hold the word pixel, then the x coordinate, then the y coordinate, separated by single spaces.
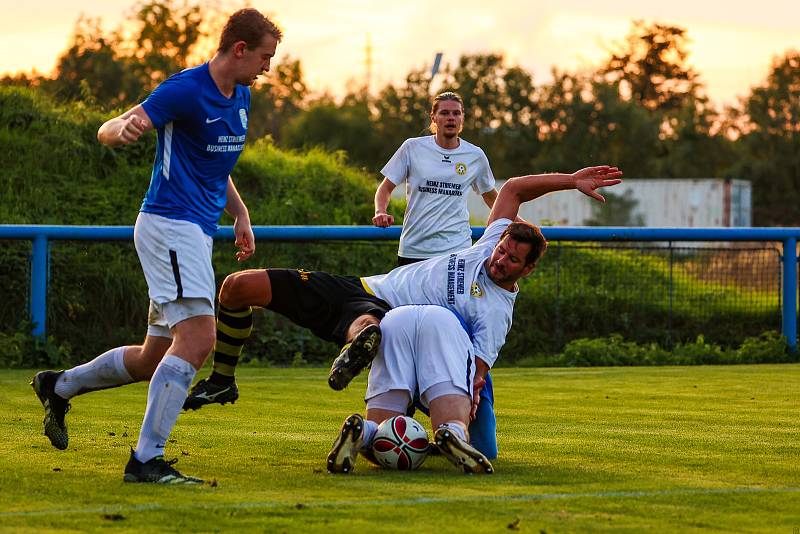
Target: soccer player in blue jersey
pixel 201 117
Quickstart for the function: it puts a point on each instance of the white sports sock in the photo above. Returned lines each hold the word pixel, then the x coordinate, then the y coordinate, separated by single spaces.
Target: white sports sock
pixel 106 371
pixel 456 428
pixel 168 389
pixel 370 427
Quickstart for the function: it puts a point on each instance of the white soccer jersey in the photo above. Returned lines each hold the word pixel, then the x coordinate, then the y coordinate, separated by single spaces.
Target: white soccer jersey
pixel 457 281
pixel 437 180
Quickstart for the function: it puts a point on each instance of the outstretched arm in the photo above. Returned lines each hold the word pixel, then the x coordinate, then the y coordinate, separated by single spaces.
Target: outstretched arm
pixel 489 197
pixel 518 190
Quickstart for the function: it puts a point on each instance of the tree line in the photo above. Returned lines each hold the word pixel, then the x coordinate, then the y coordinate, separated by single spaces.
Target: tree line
pixel 644 108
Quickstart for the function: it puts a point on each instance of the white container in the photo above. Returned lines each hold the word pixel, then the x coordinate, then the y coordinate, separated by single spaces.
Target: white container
pixel 682 203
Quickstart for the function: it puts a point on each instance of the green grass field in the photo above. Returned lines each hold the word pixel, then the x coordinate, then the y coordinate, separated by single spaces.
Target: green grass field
pixel 667 449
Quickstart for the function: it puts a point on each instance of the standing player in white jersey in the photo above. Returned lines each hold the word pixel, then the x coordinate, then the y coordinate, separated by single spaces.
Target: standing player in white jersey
pixel 438 170
pixel 201 117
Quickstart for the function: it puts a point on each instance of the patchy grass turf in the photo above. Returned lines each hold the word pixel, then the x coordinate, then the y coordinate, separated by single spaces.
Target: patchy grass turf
pixel 669 449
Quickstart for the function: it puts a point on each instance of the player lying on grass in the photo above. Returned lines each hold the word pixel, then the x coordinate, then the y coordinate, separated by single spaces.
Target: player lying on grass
pixel 424 348
pixel 479 283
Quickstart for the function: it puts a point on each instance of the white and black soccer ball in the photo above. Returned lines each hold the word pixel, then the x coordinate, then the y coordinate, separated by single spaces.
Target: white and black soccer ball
pixel 400 443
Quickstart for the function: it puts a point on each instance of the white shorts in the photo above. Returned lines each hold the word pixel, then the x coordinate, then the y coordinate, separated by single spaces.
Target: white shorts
pixel 162 317
pixel 176 260
pixel 422 347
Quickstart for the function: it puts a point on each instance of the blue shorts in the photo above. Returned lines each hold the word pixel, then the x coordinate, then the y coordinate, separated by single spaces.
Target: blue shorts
pixel 483 430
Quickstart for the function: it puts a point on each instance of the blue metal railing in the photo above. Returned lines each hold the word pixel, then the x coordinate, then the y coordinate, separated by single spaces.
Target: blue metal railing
pixel 787 236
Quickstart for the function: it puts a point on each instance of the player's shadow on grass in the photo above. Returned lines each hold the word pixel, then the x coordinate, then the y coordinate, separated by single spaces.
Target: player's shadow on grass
pixel 542 472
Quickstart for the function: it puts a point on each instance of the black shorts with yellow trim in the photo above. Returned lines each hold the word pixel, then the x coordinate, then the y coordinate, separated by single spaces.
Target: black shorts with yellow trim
pixel 324 303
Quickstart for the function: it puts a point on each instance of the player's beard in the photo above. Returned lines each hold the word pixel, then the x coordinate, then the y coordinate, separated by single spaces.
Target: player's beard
pixel 497 275
pixel 501 275
pixel 450 133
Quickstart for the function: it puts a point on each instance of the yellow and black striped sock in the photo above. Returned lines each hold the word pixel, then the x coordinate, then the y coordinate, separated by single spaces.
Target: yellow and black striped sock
pixel 233 329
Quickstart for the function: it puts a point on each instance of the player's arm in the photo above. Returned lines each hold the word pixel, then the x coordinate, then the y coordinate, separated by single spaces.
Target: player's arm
pixel 481 368
pixel 518 190
pixel 382 195
pixel 489 197
pixel 126 128
pixel 242 229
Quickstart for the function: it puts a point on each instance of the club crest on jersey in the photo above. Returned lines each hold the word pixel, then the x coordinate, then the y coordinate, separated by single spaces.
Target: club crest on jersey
pixel 243 117
pixel 461 169
pixel 476 290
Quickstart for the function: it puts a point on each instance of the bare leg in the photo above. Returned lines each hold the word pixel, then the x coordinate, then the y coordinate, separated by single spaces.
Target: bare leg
pixel 141 360
pixel 246 288
pixel 238 294
pixel 379 415
pixel 449 417
pixel 450 409
pixel 359 324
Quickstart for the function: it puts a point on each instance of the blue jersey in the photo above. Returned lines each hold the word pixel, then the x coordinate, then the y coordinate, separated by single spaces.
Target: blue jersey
pixel 200 136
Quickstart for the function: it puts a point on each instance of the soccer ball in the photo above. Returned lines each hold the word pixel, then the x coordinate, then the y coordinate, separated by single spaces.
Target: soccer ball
pixel 400 443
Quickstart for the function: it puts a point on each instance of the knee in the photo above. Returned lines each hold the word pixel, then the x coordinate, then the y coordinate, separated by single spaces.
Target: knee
pixel 361 322
pixel 246 288
pixel 194 346
pixel 232 290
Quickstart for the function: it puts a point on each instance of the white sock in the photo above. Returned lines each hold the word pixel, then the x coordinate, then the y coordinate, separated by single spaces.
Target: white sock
pixel 370 427
pixel 456 428
pixel 168 389
pixel 106 371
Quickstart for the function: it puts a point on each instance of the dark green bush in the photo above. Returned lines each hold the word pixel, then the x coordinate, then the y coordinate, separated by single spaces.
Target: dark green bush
pixel 55 172
pixel 769 347
pixel 21 349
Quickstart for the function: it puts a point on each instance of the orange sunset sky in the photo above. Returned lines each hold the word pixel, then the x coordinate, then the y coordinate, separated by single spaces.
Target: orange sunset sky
pixel 732 43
